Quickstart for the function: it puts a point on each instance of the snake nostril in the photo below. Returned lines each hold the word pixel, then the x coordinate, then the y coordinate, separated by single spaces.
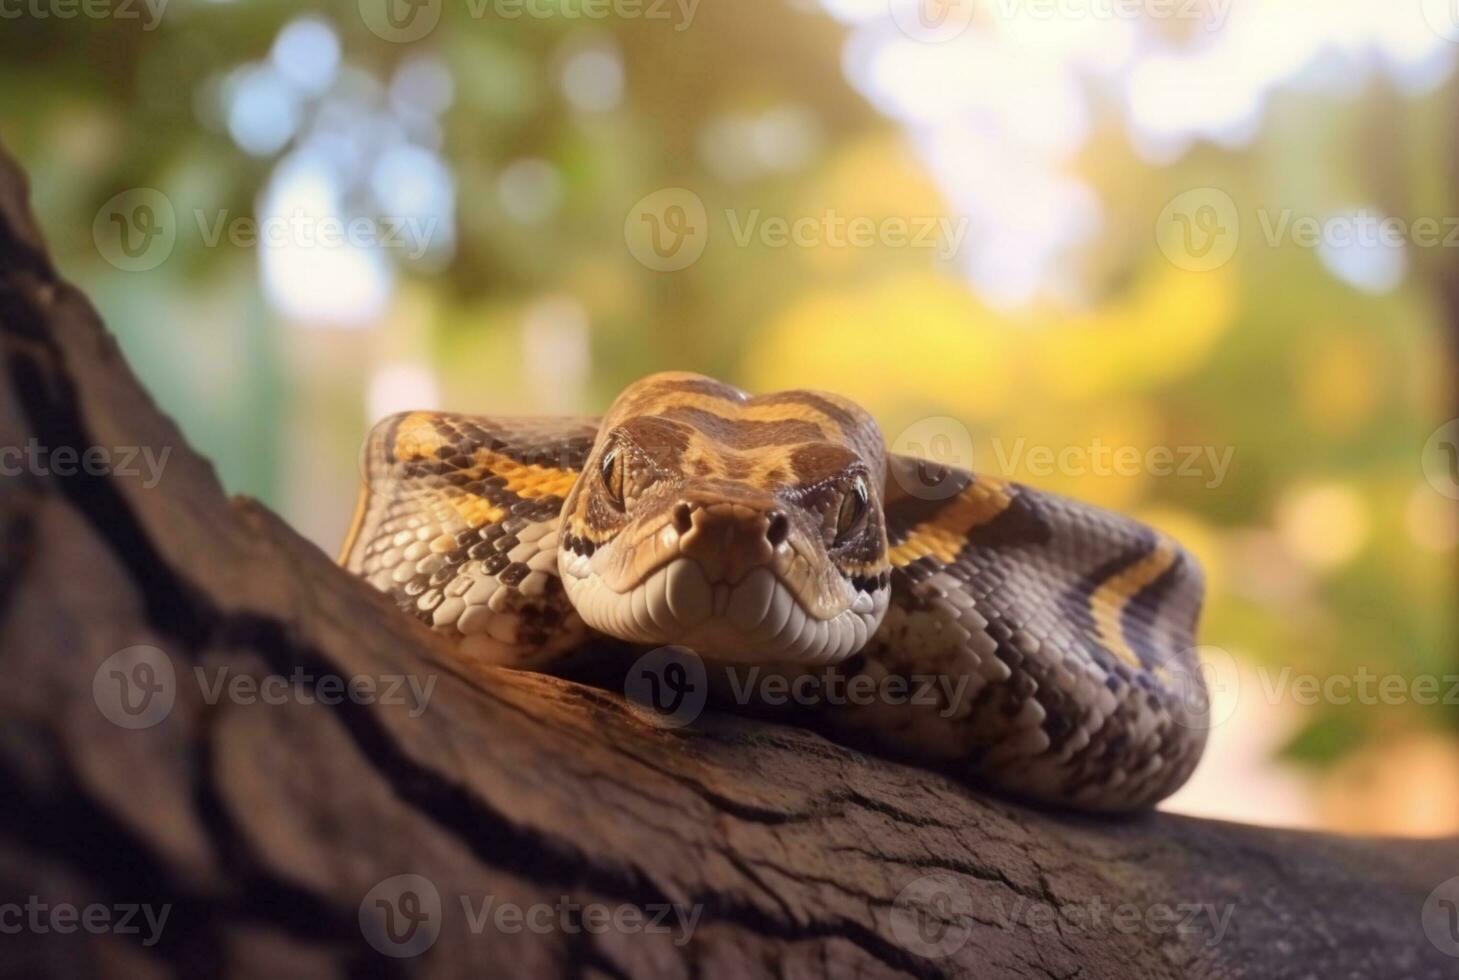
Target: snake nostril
pixel 683 518
pixel 778 530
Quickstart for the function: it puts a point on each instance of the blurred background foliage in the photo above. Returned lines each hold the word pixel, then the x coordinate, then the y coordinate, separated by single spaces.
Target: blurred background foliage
pixel 521 147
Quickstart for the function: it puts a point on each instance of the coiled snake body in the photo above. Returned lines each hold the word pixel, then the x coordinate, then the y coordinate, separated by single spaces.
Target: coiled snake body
pixel 778 531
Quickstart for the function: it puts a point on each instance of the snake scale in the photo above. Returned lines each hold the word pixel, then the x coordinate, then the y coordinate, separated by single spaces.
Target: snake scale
pixel 778 531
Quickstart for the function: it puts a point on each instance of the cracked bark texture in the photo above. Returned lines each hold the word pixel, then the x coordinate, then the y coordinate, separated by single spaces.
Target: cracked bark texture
pixel 263 828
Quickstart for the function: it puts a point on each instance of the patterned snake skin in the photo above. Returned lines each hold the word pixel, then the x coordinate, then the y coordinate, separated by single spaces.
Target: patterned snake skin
pixel 1050 643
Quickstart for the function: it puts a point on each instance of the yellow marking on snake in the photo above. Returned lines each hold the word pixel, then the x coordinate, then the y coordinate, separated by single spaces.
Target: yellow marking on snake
pixel 527 480
pixel 735 411
pixel 418 439
pixel 476 511
pixel 944 535
pixel 1109 601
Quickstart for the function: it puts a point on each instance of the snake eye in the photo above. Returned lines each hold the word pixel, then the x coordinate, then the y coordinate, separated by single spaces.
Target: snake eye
pixel 853 509
pixel 611 469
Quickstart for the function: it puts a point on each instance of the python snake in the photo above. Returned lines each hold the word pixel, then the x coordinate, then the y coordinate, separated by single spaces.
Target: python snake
pixel 778 531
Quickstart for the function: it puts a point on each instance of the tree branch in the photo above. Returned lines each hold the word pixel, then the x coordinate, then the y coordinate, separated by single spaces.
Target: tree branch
pixel 263 829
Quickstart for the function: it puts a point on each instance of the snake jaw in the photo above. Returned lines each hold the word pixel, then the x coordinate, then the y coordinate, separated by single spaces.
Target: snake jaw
pixel 729 581
pixel 756 619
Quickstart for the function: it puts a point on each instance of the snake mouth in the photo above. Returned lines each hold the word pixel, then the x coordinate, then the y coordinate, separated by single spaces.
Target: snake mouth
pixel 755 620
pixel 732 582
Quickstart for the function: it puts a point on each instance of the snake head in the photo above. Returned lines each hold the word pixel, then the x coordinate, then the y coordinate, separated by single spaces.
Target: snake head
pixel 750 529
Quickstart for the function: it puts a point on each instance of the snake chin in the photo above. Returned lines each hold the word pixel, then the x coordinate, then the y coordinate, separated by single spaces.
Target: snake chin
pixel 754 620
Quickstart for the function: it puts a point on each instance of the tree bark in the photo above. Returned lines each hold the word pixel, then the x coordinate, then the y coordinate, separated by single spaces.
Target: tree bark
pixel 263 822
